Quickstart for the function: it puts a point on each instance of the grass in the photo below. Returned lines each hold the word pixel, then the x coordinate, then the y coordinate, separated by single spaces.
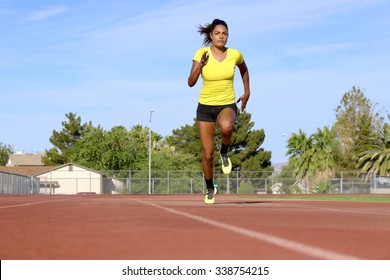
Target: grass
pixel 326 197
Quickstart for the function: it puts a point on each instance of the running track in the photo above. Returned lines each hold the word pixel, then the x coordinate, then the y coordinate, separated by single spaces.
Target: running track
pixel 181 227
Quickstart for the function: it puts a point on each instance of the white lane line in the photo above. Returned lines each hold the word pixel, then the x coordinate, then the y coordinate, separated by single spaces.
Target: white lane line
pixel 312 251
pixel 32 203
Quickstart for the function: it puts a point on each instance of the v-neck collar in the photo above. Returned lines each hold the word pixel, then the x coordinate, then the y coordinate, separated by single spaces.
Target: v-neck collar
pixel 211 52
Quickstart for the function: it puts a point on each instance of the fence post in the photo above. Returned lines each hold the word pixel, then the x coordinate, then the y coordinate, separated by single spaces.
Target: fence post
pixel 307 183
pixel 129 182
pixel 31 185
pixel 227 184
pixel 168 181
pixel 90 182
pixel 238 173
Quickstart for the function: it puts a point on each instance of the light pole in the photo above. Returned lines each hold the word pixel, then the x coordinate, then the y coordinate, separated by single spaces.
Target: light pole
pixel 150 151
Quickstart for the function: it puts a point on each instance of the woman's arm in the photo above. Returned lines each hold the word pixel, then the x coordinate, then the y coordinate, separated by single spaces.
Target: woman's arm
pixel 245 80
pixel 196 69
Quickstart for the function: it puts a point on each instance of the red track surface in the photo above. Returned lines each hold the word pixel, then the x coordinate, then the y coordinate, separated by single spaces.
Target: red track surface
pixel 181 227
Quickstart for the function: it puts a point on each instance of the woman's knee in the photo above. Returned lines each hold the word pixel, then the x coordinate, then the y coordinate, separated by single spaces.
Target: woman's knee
pixel 208 156
pixel 226 127
pixel 226 121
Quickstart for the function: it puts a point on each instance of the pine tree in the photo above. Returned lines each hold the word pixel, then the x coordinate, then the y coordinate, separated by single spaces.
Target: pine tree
pixel 356 122
pixel 64 140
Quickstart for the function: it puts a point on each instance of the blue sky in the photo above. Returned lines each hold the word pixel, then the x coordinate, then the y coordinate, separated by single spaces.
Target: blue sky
pixel 111 62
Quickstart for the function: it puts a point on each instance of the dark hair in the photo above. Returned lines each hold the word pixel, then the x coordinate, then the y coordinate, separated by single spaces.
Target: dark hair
pixel 208 28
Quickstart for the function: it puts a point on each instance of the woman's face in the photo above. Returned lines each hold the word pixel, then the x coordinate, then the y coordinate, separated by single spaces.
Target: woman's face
pixel 219 36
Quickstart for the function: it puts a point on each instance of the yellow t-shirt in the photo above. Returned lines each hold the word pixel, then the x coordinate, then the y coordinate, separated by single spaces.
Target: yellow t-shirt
pixel 218 77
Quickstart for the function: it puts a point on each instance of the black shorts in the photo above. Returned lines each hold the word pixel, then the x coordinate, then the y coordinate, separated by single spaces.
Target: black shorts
pixel 208 113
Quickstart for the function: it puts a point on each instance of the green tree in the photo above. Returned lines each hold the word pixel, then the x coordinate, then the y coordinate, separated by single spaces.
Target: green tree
pixel 315 153
pixel 5 151
pixel 375 158
pixel 116 149
pixel 88 151
pixel 167 158
pixel 356 123
pixel 186 140
pixel 64 140
pixel 246 152
pixel 119 150
pixel 139 136
pixel 299 150
pixel 325 155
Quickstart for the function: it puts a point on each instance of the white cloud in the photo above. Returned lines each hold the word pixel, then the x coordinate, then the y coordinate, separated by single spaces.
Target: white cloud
pixel 46 13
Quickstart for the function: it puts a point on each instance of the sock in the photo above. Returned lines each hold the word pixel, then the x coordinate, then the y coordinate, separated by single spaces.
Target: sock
pixel 224 149
pixel 209 183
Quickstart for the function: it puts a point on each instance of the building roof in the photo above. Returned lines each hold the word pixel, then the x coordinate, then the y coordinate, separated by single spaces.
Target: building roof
pixel 26 170
pixel 25 160
pixel 38 170
pixel 32 165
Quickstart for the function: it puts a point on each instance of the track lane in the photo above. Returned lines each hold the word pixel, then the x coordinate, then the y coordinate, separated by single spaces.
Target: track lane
pixel 182 227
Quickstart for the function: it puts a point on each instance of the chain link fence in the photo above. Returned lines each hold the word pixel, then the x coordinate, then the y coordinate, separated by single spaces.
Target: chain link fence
pixel 191 182
pixel 342 182
pixel 250 182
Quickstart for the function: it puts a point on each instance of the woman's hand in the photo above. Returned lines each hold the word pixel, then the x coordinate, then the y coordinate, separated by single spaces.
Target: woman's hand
pixel 204 59
pixel 196 69
pixel 243 99
pixel 245 80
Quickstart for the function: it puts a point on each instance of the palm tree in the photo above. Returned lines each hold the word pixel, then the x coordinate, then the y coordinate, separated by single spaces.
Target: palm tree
pixel 299 150
pixel 325 152
pixel 376 158
pixel 316 153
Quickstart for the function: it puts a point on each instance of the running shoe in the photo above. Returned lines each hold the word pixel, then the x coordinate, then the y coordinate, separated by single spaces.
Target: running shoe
pixel 226 164
pixel 209 197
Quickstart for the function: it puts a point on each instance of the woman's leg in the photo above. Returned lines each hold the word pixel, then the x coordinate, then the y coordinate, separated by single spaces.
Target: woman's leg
pixel 226 119
pixel 206 133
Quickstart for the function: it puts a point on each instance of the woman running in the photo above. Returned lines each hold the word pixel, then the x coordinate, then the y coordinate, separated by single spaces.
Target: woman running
pixel 217 100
